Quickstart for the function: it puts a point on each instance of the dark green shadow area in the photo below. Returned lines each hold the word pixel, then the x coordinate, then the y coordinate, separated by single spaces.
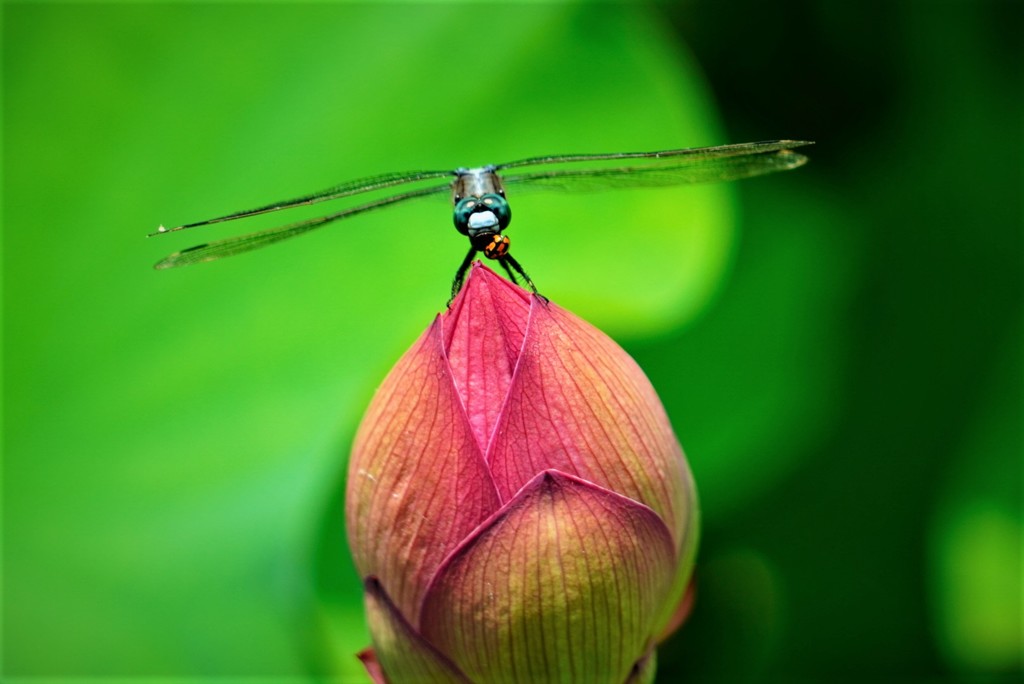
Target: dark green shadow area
pixel 851 403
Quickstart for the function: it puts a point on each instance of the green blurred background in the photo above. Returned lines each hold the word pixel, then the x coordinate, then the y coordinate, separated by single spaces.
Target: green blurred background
pixel 839 347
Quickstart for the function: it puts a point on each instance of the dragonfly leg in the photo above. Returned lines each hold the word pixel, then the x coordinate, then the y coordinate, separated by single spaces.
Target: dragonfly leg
pixel 508 269
pixel 460 275
pixel 509 261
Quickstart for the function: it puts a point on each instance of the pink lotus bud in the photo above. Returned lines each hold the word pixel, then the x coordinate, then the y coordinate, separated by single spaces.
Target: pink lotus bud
pixel 518 504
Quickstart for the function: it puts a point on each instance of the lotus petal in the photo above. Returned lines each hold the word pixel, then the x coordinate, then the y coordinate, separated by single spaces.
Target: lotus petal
pixel 578 403
pixel 563 584
pixel 417 483
pixel 399 653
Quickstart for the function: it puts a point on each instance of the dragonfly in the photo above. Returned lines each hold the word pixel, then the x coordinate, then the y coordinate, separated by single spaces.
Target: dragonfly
pixel 481 210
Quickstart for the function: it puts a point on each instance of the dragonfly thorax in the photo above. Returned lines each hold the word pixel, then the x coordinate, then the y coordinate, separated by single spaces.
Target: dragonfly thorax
pixel 476 183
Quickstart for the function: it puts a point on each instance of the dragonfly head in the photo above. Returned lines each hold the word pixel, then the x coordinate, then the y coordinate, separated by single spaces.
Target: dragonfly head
pixel 486 215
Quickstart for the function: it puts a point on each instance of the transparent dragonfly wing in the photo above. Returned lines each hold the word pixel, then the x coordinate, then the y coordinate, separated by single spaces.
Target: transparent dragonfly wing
pixel 693 153
pixel 348 189
pixel 219 249
pixel 669 167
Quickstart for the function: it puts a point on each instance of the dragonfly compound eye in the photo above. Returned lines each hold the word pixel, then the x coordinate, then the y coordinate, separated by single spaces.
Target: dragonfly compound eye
pixel 498 205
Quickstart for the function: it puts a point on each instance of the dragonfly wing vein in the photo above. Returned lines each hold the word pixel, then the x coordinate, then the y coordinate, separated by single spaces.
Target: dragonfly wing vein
pixel 681 171
pixel 219 249
pixel 694 153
